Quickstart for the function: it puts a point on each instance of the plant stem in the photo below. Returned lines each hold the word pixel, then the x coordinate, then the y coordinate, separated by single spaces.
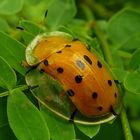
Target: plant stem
pixel 4 94
pixel 125 125
pixel 21 87
pixel 99 9
pixel 104 46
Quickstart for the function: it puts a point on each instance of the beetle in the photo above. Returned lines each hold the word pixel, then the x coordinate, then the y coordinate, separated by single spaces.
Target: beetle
pixel 85 78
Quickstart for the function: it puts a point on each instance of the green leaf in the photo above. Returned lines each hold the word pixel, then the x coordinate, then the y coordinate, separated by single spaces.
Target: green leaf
pixel 6 133
pixel 115 56
pixel 136 125
pixel 30 27
pixel 119 74
pixel 30 30
pixel 103 25
pixel 60 13
pixel 132 102
pixel 59 129
pixel 12 51
pixel 135 60
pixel 35 12
pixel 131 43
pixel 132 82
pixel 25 119
pixel 3 113
pixel 27 37
pixel 111 131
pixel 32 2
pixel 9 7
pixel 90 131
pixel 4 25
pixel 124 29
pixel 77 25
pixel 7 75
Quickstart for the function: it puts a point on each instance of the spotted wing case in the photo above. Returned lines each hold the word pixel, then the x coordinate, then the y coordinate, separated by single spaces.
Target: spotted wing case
pixel 82 74
pixel 37 50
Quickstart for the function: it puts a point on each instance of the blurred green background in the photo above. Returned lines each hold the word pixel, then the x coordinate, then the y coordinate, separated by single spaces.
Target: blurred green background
pixel 118 22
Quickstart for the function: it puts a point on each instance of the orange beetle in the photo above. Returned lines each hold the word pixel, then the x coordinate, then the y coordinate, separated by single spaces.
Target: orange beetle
pixel 84 77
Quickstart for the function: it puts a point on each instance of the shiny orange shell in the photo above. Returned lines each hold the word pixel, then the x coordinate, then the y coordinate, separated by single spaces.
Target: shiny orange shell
pixel 84 77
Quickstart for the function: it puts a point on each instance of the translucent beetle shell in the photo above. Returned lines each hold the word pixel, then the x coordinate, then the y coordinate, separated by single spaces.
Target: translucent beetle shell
pixel 84 77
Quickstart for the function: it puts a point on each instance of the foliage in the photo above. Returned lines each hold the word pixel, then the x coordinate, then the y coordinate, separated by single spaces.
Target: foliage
pixel 113 23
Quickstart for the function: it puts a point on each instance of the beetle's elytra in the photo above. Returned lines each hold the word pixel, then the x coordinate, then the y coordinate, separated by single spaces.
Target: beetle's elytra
pixel 84 77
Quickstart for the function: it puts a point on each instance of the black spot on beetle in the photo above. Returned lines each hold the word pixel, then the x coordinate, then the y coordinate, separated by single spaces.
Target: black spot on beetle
pixel 68 45
pixel 60 70
pixel 115 95
pixel 99 64
pixel 94 95
pixel 100 108
pixel 70 92
pixel 46 63
pixel 78 79
pixel 59 52
pixel 87 59
pixel 109 82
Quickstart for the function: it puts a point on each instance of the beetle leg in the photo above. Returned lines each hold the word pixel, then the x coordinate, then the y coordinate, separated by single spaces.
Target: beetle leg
pixel 113 111
pixel 73 115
